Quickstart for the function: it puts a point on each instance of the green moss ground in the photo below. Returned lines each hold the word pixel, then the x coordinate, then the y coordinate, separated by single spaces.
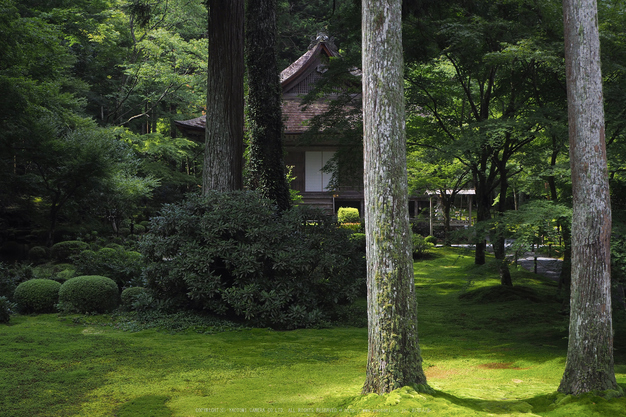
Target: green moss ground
pixel 482 355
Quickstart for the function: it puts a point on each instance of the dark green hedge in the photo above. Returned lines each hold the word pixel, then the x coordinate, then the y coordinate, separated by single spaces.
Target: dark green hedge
pixel 89 294
pixel 231 253
pixel 37 296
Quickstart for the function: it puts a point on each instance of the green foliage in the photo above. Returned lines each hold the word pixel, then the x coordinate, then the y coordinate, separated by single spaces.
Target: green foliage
pixel 231 253
pixel 37 254
pixel 37 295
pixel 122 266
pixel 8 281
pixel 89 294
pixel 7 308
pixel 348 215
pixel 430 239
pixel 63 251
pixel 359 239
pixel 129 295
pixel 420 246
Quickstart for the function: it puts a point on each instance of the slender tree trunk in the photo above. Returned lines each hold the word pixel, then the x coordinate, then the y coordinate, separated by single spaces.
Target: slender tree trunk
pixel 483 213
pixel 589 365
pixel 394 358
pixel 499 232
pixel 266 166
pixel 223 153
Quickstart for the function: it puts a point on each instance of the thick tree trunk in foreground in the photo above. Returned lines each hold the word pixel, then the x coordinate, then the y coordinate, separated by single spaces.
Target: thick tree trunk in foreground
pixel 266 166
pixel 589 365
pixel 394 358
pixel 223 152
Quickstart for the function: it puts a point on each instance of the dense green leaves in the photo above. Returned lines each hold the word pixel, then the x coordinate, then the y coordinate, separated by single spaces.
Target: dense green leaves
pixel 230 253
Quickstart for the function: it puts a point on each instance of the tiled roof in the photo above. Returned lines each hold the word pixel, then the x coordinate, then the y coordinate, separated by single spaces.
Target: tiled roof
pixel 294 117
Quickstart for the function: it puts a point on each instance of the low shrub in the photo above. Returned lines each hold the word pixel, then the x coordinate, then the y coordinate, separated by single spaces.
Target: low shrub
pixel 139 229
pixel 129 296
pixel 353 227
pixel 420 246
pixel 230 253
pixel 122 266
pixel 7 308
pixel 430 239
pixel 37 295
pixel 359 240
pixel 63 251
pixel 348 215
pixel 37 254
pixel 89 294
pixel 8 281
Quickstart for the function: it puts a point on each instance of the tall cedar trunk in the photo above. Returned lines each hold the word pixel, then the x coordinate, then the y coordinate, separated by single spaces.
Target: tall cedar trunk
pixel 223 152
pixel 589 364
pixel 266 166
pixel 394 358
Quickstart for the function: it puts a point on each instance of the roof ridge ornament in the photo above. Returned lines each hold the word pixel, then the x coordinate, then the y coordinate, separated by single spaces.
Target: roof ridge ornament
pixel 322 37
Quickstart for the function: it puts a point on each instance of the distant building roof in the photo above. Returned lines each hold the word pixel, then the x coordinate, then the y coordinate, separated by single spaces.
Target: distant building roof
pixel 296 79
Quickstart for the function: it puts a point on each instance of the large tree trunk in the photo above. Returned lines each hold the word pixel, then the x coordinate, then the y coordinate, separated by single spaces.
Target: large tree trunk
pixel 589 365
pixel 266 166
pixel 394 358
pixel 223 153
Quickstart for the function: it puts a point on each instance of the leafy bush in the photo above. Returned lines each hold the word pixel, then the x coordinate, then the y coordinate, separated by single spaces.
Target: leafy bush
pixel 8 281
pixel 231 253
pixel 139 229
pixel 129 295
pixel 37 254
pixel 37 295
pixel 122 266
pixel 6 309
pixel 359 240
pixel 430 239
pixel 63 251
pixel 420 246
pixel 348 215
pixel 89 294
pixel 353 227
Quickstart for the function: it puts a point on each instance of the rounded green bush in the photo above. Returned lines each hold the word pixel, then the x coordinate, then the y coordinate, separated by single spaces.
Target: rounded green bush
pixel 139 229
pixel 37 295
pixel 62 251
pixel 89 294
pixel 430 239
pixel 129 294
pixel 37 254
pixel 348 215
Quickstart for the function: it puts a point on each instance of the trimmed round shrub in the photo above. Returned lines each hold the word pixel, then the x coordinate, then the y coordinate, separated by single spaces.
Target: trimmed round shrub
pixel 89 294
pixel 348 215
pixel 130 294
pixel 37 295
pixel 63 251
pixel 37 254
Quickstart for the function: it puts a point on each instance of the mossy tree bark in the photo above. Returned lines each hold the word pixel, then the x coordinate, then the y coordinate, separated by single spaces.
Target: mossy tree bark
pixel 223 152
pixel 589 365
pixel 266 167
pixel 394 358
